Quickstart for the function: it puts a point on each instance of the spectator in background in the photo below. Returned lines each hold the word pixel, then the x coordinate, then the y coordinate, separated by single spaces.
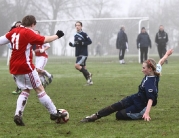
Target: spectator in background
pixel 143 42
pixel 98 49
pixel 122 44
pixel 161 40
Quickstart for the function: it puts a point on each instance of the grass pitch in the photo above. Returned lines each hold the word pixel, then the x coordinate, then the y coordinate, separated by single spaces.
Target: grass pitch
pixel 112 82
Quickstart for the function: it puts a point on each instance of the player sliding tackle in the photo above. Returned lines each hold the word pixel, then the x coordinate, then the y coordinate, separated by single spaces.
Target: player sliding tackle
pixel 138 105
pixel 22 38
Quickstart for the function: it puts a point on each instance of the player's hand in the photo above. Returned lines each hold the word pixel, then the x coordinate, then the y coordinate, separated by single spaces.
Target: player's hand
pixel 169 52
pixel 59 33
pixel 127 50
pixel 70 44
pixel 146 117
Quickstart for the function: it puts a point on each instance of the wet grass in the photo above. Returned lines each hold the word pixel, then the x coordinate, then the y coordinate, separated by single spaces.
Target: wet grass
pixel 112 82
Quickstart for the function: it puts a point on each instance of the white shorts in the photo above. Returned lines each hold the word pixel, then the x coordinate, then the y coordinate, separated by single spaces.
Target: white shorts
pixel 40 62
pixel 28 81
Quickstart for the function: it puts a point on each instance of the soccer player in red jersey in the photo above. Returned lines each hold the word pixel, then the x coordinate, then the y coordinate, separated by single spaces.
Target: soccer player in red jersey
pixel 23 70
pixel 41 60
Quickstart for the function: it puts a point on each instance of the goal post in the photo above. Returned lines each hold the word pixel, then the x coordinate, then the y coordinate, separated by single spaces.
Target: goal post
pixel 139 20
pixel 102 30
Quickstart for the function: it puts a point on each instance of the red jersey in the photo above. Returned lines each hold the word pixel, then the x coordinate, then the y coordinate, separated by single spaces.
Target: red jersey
pixel 44 54
pixel 22 39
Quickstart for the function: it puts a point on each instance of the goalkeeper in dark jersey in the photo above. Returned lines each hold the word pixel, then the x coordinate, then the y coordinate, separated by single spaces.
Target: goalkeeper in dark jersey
pixel 137 106
pixel 81 42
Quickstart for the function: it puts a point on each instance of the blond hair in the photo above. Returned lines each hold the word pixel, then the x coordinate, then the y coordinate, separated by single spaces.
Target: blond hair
pixel 152 64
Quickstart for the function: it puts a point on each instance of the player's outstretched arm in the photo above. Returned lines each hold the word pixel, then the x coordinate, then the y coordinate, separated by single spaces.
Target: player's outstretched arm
pixel 3 40
pixel 146 115
pixel 167 54
pixel 58 35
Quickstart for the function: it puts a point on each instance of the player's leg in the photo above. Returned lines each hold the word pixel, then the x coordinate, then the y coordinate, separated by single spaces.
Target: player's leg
pixel 124 103
pixel 120 56
pixel 80 65
pixel 84 74
pixel 159 51
pixel 17 91
pixel 42 77
pixel 132 112
pixel 27 82
pixel 141 55
pixel 123 54
pixel 145 53
pixel 48 75
pixel 89 77
pixel 44 99
pixel 45 72
pixel 40 63
pixel 164 51
pixel 22 99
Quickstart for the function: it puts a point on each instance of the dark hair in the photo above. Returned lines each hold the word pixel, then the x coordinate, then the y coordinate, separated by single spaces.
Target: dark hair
pixel 142 28
pixel 17 22
pixel 28 20
pixel 14 26
pixel 79 23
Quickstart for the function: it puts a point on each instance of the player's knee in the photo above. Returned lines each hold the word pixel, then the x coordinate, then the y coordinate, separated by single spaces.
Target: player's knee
pixel 77 66
pixel 38 70
pixel 121 115
pixel 39 89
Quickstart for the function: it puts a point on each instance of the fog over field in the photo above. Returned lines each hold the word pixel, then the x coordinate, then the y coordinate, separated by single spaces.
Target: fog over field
pixel 98 21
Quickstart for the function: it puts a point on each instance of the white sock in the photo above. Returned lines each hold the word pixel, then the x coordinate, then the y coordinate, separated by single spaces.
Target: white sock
pixel 47 73
pixel 47 102
pixel 123 61
pixel 21 103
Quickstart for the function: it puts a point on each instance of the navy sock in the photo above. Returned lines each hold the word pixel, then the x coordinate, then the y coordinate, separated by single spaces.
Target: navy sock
pixel 109 110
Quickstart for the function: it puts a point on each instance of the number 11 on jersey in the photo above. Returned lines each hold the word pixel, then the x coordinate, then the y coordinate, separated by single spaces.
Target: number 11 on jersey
pixel 15 41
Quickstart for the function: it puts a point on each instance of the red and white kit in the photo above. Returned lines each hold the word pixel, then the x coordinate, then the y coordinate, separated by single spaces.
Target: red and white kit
pixel 21 66
pixel 41 57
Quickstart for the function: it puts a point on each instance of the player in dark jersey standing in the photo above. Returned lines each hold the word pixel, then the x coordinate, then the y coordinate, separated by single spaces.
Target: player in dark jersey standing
pixel 81 42
pixel 138 105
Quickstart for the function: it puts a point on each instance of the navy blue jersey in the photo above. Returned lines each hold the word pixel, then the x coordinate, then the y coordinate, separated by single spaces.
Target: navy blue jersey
pixel 148 89
pixel 81 42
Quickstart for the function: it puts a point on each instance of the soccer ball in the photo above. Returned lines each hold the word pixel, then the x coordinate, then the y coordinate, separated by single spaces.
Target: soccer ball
pixel 65 119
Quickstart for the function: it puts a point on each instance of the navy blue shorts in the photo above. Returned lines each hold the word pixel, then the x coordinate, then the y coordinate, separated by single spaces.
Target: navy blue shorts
pixel 81 60
pixel 134 108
